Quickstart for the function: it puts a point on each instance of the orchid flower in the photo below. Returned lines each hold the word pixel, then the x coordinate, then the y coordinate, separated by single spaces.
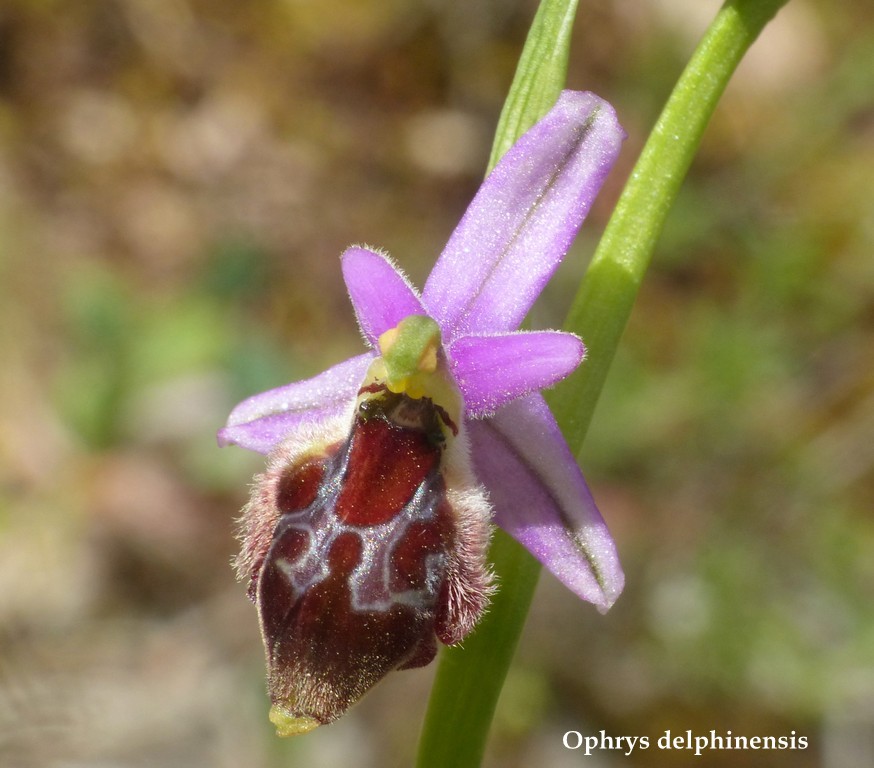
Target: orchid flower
pixel 365 539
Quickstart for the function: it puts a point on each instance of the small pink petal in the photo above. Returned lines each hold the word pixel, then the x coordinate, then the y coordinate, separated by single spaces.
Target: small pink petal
pixel 494 369
pixel 381 294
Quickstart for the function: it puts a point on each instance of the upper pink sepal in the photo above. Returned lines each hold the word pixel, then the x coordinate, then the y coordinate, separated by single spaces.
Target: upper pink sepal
pixel 524 218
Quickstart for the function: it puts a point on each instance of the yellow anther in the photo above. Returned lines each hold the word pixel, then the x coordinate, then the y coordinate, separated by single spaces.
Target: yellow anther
pixel 387 340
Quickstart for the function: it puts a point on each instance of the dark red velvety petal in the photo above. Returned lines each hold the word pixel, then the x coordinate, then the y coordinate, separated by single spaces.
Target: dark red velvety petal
pixel 352 584
pixel 387 463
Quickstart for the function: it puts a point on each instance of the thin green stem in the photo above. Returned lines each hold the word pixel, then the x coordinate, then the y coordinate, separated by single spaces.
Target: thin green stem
pixel 469 679
pixel 540 75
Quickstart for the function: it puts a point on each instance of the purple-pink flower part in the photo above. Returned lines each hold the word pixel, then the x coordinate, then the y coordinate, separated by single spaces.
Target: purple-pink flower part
pixel 366 537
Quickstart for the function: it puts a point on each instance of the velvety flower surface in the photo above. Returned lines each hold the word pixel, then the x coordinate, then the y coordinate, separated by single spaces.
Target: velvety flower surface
pixel 386 469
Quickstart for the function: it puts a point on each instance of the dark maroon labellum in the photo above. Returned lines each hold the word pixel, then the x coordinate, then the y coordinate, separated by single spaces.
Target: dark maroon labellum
pixel 354 583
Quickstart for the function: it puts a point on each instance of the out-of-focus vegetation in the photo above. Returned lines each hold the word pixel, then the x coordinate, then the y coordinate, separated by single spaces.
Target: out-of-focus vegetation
pixel 177 181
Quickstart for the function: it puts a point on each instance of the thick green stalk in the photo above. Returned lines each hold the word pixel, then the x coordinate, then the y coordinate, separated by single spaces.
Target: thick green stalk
pixel 469 679
pixel 604 300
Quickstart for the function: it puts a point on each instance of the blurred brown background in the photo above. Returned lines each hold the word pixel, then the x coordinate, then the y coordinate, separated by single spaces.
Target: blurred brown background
pixel 177 181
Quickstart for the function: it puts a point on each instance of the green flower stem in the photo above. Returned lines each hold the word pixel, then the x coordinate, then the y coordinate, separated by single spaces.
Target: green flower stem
pixel 469 679
pixel 604 300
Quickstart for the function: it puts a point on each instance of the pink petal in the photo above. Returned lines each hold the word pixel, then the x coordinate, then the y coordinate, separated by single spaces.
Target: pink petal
pixel 492 370
pixel 541 499
pixel 381 294
pixel 523 219
pixel 262 421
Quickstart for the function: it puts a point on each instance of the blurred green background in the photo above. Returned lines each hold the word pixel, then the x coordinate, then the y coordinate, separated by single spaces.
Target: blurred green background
pixel 177 181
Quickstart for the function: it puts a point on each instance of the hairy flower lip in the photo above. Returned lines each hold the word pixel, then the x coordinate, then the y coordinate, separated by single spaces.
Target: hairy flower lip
pixel 504 250
pixel 364 546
